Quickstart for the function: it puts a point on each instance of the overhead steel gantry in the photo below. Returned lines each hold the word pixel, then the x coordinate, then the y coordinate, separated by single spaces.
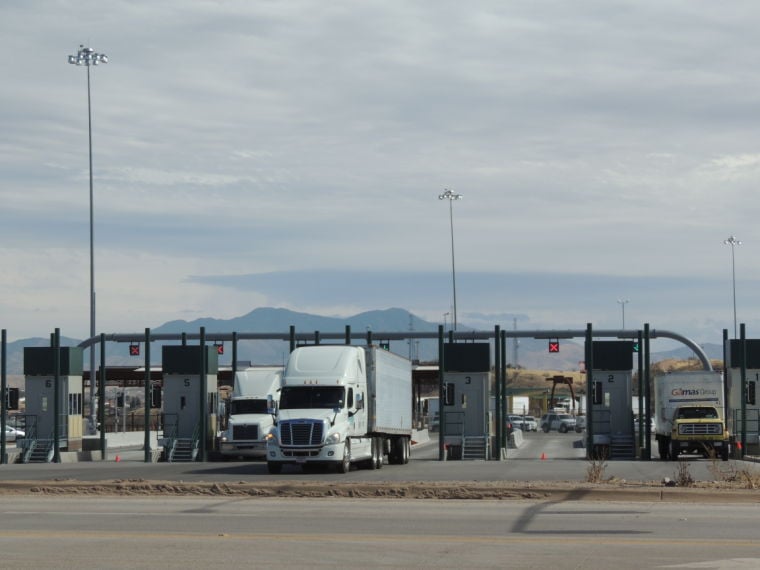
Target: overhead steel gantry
pixel 296 338
pixel 317 336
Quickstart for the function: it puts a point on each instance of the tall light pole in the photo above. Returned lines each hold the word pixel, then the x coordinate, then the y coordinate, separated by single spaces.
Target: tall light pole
pixel 733 242
pixel 88 57
pixel 622 307
pixel 451 196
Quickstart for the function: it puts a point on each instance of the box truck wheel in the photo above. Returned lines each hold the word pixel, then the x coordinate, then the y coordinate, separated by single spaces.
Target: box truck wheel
pixel 674 449
pixel 408 449
pixel 345 465
pixel 274 467
pixel 724 452
pixel 663 449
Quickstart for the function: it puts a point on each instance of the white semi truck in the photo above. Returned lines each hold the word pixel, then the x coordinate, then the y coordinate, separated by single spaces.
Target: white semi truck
pixel 689 414
pixel 342 404
pixel 248 420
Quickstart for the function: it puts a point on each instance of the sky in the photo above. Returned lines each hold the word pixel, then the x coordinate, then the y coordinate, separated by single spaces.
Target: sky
pixel 291 154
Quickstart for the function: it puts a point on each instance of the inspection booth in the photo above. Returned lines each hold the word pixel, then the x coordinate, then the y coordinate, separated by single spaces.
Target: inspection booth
pixel 743 409
pixel 42 411
pixel 611 390
pixel 468 426
pixel 187 408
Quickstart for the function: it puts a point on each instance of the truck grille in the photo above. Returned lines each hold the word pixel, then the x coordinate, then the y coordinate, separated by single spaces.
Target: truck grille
pixel 301 432
pixel 243 432
pixel 700 429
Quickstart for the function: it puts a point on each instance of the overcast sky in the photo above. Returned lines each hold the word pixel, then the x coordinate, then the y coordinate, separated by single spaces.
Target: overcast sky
pixel 290 154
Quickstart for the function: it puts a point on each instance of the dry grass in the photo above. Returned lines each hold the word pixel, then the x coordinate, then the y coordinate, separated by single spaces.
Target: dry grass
pixel 746 477
pixel 595 470
pixel 683 477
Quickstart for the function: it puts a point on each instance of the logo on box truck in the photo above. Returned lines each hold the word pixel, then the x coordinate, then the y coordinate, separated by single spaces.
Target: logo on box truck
pixel 694 392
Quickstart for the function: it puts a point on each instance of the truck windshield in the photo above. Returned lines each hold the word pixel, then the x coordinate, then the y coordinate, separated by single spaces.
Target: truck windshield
pixel 256 406
pixel 697 413
pixel 308 397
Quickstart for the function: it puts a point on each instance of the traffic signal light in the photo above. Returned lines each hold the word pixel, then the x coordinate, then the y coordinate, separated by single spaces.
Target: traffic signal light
pixel 751 393
pixel 554 345
pixel 385 345
pixel 120 401
pixel 219 347
pixel 134 349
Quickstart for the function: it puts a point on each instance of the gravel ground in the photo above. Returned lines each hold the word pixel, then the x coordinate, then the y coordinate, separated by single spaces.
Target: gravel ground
pixel 612 490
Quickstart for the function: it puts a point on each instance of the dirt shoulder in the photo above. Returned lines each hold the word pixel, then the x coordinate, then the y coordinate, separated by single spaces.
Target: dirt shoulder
pixel 712 492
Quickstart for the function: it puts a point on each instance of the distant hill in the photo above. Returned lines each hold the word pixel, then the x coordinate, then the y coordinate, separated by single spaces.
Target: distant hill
pixel 526 352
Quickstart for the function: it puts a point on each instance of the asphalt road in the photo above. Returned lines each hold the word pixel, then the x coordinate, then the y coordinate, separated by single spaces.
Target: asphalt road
pixel 158 531
pixel 563 460
pixel 194 532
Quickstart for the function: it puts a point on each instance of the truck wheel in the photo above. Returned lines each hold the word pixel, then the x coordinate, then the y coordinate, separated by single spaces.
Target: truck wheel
pixel 345 465
pixel 372 462
pixel 545 428
pixel 724 452
pixel 404 448
pixel 379 452
pixel 394 455
pixel 562 428
pixel 274 467
pixel 663 449
pixel 674 449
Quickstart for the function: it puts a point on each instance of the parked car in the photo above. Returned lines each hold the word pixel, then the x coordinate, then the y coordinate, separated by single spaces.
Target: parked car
pixel 531 424
pixel 516 421
pixel 561 422
pixel 11 433
pixel 524 423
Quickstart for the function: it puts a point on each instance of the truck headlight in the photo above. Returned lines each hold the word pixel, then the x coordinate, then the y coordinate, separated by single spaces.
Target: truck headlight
pixel 271 436
pixel 333 438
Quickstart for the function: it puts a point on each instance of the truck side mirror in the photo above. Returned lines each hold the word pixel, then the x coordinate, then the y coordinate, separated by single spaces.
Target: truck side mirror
pixel 359 402
pixel 271 405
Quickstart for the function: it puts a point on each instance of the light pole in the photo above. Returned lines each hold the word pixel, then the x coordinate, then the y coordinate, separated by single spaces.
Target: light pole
pixel 733 242
pixel 88 57
pixel 451 196
pixel 622 307
pixel 445 315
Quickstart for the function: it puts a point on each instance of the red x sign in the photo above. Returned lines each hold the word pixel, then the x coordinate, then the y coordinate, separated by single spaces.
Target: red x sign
pixel 134 350
pixel 553 346
pixel 219 348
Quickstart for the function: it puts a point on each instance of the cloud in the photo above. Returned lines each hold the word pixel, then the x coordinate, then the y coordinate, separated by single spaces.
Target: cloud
pixel 607 147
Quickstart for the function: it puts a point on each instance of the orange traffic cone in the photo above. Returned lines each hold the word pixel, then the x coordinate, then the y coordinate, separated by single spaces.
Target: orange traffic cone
pixel 543 456
pixel 117 459
pixel 738 445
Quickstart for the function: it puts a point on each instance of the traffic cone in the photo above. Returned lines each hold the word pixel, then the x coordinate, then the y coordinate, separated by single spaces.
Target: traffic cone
pixel 117 459
pixel 543 456
pixel 739 445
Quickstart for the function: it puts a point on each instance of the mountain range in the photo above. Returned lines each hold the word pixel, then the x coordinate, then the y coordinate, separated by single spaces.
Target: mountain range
pixel 525 352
